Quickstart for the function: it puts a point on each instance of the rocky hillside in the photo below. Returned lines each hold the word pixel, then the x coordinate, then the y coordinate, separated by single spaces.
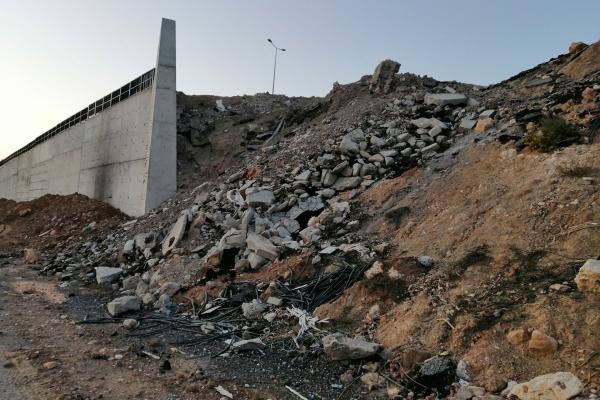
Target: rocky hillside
pixel 411 238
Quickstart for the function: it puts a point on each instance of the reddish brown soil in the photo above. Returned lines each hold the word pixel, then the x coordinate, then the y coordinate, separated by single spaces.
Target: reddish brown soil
pixel 43 222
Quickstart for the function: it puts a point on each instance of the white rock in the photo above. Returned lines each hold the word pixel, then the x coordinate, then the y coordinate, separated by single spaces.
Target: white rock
pixel 169 288
pixel 557 386
pixel 260 198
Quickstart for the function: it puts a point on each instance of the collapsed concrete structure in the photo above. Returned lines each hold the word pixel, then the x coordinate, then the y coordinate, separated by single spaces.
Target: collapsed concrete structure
pixel 120 149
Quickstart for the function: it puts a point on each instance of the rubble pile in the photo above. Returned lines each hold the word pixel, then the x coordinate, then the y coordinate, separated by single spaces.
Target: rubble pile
pixel 244 259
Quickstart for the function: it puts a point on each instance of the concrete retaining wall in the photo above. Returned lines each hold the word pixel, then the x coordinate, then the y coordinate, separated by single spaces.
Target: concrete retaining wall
pixel 124 155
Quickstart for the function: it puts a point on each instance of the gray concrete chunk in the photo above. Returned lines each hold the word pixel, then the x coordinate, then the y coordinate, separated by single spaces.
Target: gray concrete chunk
pixel 442 99
pixel 260 198
pixel 123 304
pixel 345 183
pixel 262 246
pixel 340 347
pixel 107 274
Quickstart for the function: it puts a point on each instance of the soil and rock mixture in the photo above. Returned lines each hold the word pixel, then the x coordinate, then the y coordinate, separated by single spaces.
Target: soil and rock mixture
pixel 399 238
pixel 44 222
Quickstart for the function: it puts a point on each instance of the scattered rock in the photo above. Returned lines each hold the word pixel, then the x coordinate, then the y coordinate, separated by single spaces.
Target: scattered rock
pixel 50 365
pixel 463 371
pixel 443 99
pixel 25 212
pixel 425 261
pixel 346 183
pixel 130 323
pixel 175 234
pixel 372 380
pixel 517 336
pixel 275 301
pixel 107 274
pixel 262 246
pixel 576 47
pixel 123 304
pixel 542 343
pixel 31 256
pixel 169 288
pixel 484 124
pixel 340 347
pixel 436 372
pixel 383 78
pixel 249 344
pixel 260 198
pixel 254 309
pixel 588 277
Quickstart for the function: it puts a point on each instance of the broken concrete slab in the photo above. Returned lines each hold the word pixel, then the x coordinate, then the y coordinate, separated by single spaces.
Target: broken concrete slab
pixel 262 246
pixel 588 277
pixel 175 234
pixel 260 198
pixel 443 99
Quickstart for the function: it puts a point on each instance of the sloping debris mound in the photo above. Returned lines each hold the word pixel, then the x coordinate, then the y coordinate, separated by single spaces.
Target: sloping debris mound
pixel 43 222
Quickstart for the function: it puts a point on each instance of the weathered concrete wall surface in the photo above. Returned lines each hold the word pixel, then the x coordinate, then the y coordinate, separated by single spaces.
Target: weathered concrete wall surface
pixel 124 155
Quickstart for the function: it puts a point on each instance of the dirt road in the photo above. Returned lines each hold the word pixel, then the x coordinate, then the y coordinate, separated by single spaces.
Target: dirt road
pixel 47 354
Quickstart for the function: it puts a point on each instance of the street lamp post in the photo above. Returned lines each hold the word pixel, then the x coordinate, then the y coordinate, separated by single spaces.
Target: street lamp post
pixel 275 65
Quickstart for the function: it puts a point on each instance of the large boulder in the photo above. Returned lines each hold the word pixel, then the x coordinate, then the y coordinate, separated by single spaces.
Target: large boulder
pixel 383 78
pixel 557 386
pixel 340 347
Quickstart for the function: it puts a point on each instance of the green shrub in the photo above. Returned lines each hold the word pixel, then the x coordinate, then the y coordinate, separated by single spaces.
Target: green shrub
pixel 554 132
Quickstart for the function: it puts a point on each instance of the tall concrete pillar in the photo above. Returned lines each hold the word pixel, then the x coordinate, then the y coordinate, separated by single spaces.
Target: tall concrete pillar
pixel 162 149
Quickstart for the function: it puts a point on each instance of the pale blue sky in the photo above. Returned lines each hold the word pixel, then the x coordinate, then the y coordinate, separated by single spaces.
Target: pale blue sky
pixel 60 55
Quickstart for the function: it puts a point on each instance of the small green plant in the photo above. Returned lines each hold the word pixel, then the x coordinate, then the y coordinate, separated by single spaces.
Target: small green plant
pixel 554 132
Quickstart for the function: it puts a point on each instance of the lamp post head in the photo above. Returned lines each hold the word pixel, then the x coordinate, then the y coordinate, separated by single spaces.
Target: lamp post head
pixel 269 40
pixel 282 49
